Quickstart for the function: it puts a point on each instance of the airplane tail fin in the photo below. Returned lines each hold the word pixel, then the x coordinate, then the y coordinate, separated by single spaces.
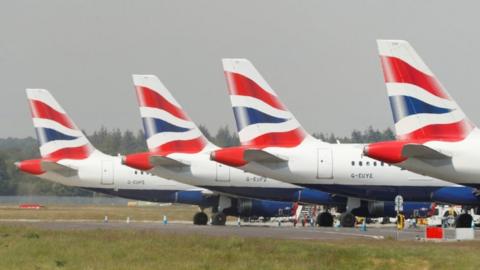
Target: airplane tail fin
pixel 167 127
pixel 262 120
pixel 421 107
pixel 57 134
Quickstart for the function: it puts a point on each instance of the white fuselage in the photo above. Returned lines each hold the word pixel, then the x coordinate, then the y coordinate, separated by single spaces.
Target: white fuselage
pixel 203 172
pixel 343 169
pixel 100 171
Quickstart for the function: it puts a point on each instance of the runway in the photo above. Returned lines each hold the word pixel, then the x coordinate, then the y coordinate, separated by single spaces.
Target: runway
pixel 285 231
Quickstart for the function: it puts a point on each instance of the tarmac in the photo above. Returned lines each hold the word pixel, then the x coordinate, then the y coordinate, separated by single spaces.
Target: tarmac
pixel 257 230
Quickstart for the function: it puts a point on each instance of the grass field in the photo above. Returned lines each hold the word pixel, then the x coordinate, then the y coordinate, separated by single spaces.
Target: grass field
pixel 32 248
pixel 50 212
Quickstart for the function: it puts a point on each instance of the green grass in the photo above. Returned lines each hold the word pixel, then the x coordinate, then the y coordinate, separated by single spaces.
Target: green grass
pixel 98 212
pixel 27 247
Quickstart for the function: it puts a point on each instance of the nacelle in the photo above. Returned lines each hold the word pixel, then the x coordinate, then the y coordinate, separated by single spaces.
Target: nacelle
pixel 232 156
pixel 140 161
pixel 32 166
pixel 390 152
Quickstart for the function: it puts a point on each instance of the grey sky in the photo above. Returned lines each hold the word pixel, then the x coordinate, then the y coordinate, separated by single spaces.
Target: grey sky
pixel 319 56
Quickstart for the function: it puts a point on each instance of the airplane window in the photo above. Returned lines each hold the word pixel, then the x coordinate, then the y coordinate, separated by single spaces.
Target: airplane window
pixel 136 172
pixel 359 163
pixel 381 163
pixel 353 163
pixel 368 163
pixel 375 163
pixel 141 172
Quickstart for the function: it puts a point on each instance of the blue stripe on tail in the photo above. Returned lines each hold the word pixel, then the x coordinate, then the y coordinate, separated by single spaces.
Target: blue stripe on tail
pixel 245 116
pixel 403 106
pixel 153 126
pixel 45 135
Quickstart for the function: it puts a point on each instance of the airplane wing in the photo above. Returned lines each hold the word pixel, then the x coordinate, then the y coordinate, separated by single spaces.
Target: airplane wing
pixel 261 156
pixel 422 151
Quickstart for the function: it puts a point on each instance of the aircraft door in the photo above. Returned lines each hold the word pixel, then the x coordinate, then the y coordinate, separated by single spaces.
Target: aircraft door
pixel 223 173
pixel 325 164
pixel 107 172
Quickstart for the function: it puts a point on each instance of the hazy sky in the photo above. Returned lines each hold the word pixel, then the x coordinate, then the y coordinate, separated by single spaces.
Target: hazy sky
pixel 319 56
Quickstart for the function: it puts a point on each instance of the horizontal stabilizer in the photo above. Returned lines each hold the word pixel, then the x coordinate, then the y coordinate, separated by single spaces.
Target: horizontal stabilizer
pixel 260 156
pixel 162 161
pixel 58 168
pixel 421 151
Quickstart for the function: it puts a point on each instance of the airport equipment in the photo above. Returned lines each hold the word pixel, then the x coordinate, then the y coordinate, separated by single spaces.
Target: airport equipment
pixel 434 233
pixel 464 234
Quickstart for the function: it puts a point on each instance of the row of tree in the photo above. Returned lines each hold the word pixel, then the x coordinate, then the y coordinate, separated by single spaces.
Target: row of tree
pixel 113 142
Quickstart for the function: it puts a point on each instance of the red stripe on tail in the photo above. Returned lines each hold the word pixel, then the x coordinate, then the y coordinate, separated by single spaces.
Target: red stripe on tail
pixel 180 146
pixel 80 152
pixel 440 132
pixel 278 139
pixel 395 70
pixel 243 86
pixel 42 110
pixel 150 98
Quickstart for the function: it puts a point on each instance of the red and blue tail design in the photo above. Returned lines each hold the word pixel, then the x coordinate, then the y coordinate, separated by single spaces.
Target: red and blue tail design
pixel 421 107
pixel 262 120
pixel 58 136
pixel 167 127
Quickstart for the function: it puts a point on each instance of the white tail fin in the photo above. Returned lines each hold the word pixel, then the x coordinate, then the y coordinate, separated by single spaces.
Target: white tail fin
pixel 262 120
pixel 58 136
pixel 421 107
pixel 167 127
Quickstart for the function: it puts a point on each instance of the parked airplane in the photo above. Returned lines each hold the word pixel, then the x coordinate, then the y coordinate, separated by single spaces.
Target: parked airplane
pixel 434 136
pixel 67 157
pixel 178 150
pixel 275 145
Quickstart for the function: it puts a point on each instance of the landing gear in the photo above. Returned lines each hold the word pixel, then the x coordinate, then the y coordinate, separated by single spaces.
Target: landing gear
pixel 325 219
pixel 347 220
pixel 219 219
pixel 385 220
pixel 200 218
pixel 463 221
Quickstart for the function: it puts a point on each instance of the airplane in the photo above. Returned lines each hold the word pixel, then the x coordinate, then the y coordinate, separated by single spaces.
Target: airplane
pixel 68 158
pixel 178 150
pixel 434 137
pixel 274 144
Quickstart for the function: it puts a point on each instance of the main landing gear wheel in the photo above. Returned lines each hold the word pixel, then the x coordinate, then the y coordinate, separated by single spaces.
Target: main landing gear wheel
pixel 200 218
pixel 463 221
pixel 325 219
pixel 347 220
pixel 219 219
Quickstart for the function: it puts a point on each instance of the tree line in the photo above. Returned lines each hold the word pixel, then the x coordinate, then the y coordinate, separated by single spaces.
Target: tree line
pixel 113 142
